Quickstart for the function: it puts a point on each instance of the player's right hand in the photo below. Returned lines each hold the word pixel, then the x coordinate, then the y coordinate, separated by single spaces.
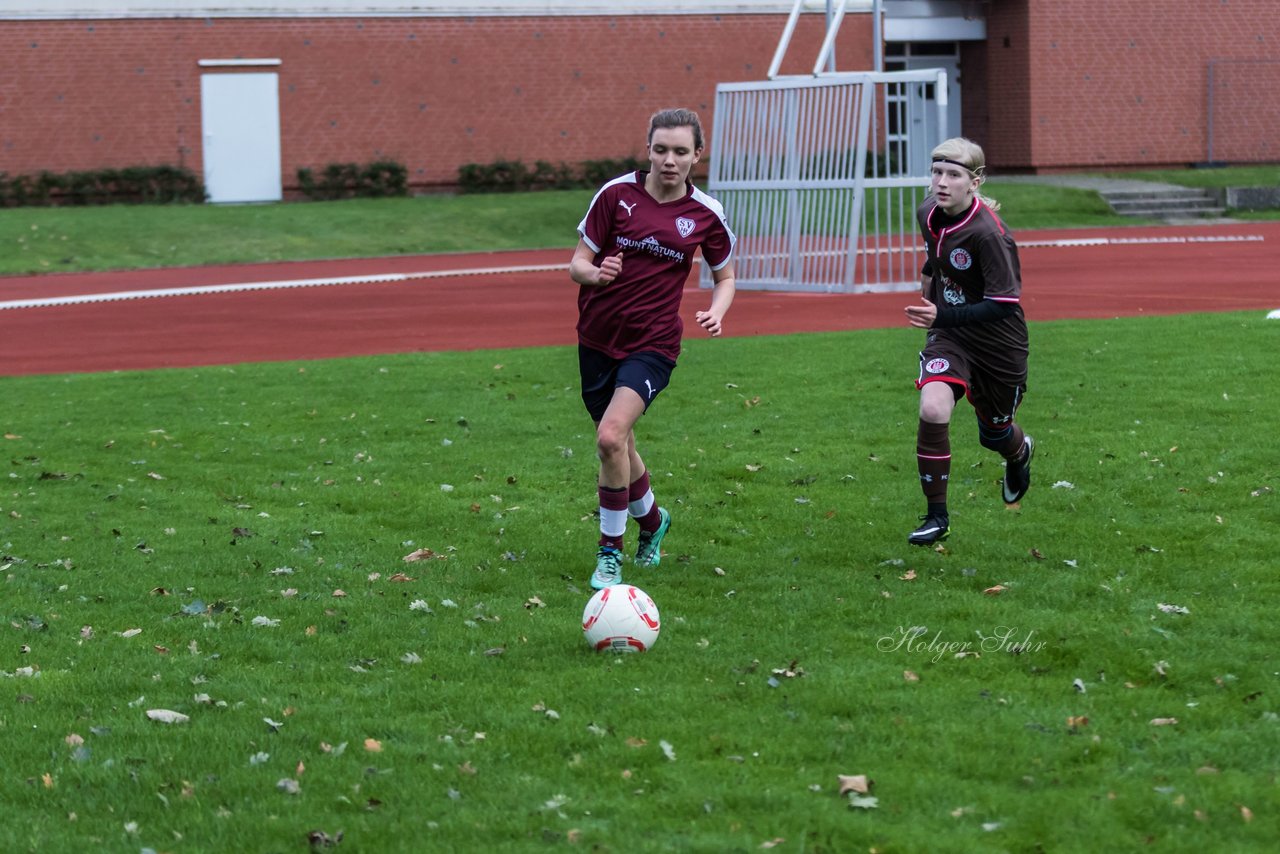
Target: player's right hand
pixel 610 268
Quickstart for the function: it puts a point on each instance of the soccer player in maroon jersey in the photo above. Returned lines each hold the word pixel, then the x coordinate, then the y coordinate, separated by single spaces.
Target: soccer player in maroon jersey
pixel 976 344
pixel 633 259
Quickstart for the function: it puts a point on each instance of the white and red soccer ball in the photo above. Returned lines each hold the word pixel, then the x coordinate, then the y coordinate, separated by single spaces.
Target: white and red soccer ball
pixel 621 618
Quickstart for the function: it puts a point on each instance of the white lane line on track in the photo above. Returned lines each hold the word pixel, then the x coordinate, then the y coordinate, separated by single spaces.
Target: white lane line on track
pixel 117 296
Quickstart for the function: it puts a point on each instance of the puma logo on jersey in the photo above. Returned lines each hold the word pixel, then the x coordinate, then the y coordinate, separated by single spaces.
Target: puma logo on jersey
pixel 629 207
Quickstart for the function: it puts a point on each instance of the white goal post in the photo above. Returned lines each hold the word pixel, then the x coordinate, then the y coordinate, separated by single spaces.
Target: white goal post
pixel 821 176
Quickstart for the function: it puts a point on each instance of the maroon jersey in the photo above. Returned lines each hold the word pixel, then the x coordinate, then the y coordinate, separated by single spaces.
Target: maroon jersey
pixel 640 310
pixel 971 258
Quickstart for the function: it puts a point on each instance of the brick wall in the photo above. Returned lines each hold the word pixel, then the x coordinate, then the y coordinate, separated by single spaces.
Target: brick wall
pixel 432 93
pixel 1085 84
pixel 1059 84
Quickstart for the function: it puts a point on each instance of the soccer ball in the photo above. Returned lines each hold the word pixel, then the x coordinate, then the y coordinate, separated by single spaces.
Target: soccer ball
pixel 621 618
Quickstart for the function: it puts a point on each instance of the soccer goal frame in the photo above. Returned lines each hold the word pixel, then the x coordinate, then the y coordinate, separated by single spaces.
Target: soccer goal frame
pixel 820 179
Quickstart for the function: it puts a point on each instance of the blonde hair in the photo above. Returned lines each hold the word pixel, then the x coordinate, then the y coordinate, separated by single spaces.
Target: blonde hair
pixel 969 155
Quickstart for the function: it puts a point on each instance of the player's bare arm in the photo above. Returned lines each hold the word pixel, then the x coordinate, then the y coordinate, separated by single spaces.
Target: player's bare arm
pixel 583 270
pixel 721 298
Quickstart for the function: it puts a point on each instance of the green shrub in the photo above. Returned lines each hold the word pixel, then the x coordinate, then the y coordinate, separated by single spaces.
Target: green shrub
pixel 130 185
pixel 512 176
pixel 596 172
pixel 351 180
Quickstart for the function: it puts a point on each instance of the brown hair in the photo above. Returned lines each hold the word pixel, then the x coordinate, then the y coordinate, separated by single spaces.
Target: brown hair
pixel 677 118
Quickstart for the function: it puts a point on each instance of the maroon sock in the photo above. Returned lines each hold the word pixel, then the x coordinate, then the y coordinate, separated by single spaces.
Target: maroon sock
pixel 1013 446
pixel 933 460
pixel 638 495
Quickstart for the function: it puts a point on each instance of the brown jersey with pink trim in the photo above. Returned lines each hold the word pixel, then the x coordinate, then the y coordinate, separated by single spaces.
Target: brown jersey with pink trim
pixel 640 310
pixel 972 257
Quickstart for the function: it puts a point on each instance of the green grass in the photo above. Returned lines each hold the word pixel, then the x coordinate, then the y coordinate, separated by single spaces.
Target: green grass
pixel 43 240
pixel 188 503
pixel 1262 175
pixel 35 240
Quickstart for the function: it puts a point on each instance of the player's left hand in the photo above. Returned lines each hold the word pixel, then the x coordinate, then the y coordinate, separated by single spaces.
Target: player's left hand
pixel 922 316
pixel 709 321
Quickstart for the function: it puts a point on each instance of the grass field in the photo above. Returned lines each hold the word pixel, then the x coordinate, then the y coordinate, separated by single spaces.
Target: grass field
pixel 1093 671
pixel 229 544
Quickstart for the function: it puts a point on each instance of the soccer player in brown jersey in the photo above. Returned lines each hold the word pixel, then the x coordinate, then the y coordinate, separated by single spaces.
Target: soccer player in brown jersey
pixel 633 259
pixel 976 344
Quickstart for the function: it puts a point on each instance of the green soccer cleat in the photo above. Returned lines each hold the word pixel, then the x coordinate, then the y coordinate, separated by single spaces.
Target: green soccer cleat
pixel 608 568
pixel 649 549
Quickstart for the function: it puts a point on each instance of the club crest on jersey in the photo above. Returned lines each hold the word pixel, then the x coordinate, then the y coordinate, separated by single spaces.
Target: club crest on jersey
pixel 685 226
pixel 936 366
pixel 960 259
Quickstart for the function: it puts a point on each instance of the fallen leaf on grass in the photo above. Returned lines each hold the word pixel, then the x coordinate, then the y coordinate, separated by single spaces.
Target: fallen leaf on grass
pixel 128 633
pixel 667 750
pixel 995 591
pixel 772 843
pixel 791 671
pixel 863 803
pixel 857 783
pixel 1164 721
pixel 167 716
pixel 910 676
pixel 423 554
pixel 372 745
pixel 909 575
pixel 288 786
pixel 320 839
pixel 1172 609
pixel 1075 721
pixel 1246 813
pixel 401 577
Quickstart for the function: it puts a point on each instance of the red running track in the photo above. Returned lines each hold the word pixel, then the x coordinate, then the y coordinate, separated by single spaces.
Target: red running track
pixel 1168 275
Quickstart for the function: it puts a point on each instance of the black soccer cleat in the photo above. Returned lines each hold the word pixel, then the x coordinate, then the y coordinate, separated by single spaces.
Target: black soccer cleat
pixel 934 529
pixel 1017 476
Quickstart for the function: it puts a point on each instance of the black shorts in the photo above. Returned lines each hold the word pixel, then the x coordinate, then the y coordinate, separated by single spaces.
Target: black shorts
pixel 994 401
pixel 646 374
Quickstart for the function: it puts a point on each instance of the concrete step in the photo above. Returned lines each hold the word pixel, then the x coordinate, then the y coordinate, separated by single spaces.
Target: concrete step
pixel 1174 213
pixel 1175 203
pixel 1145 204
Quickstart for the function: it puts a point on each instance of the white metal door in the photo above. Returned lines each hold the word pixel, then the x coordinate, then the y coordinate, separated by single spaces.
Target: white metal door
pixel 240 117
pixel 920 124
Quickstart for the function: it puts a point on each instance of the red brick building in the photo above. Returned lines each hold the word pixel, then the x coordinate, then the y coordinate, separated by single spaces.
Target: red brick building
pixel 1044 85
